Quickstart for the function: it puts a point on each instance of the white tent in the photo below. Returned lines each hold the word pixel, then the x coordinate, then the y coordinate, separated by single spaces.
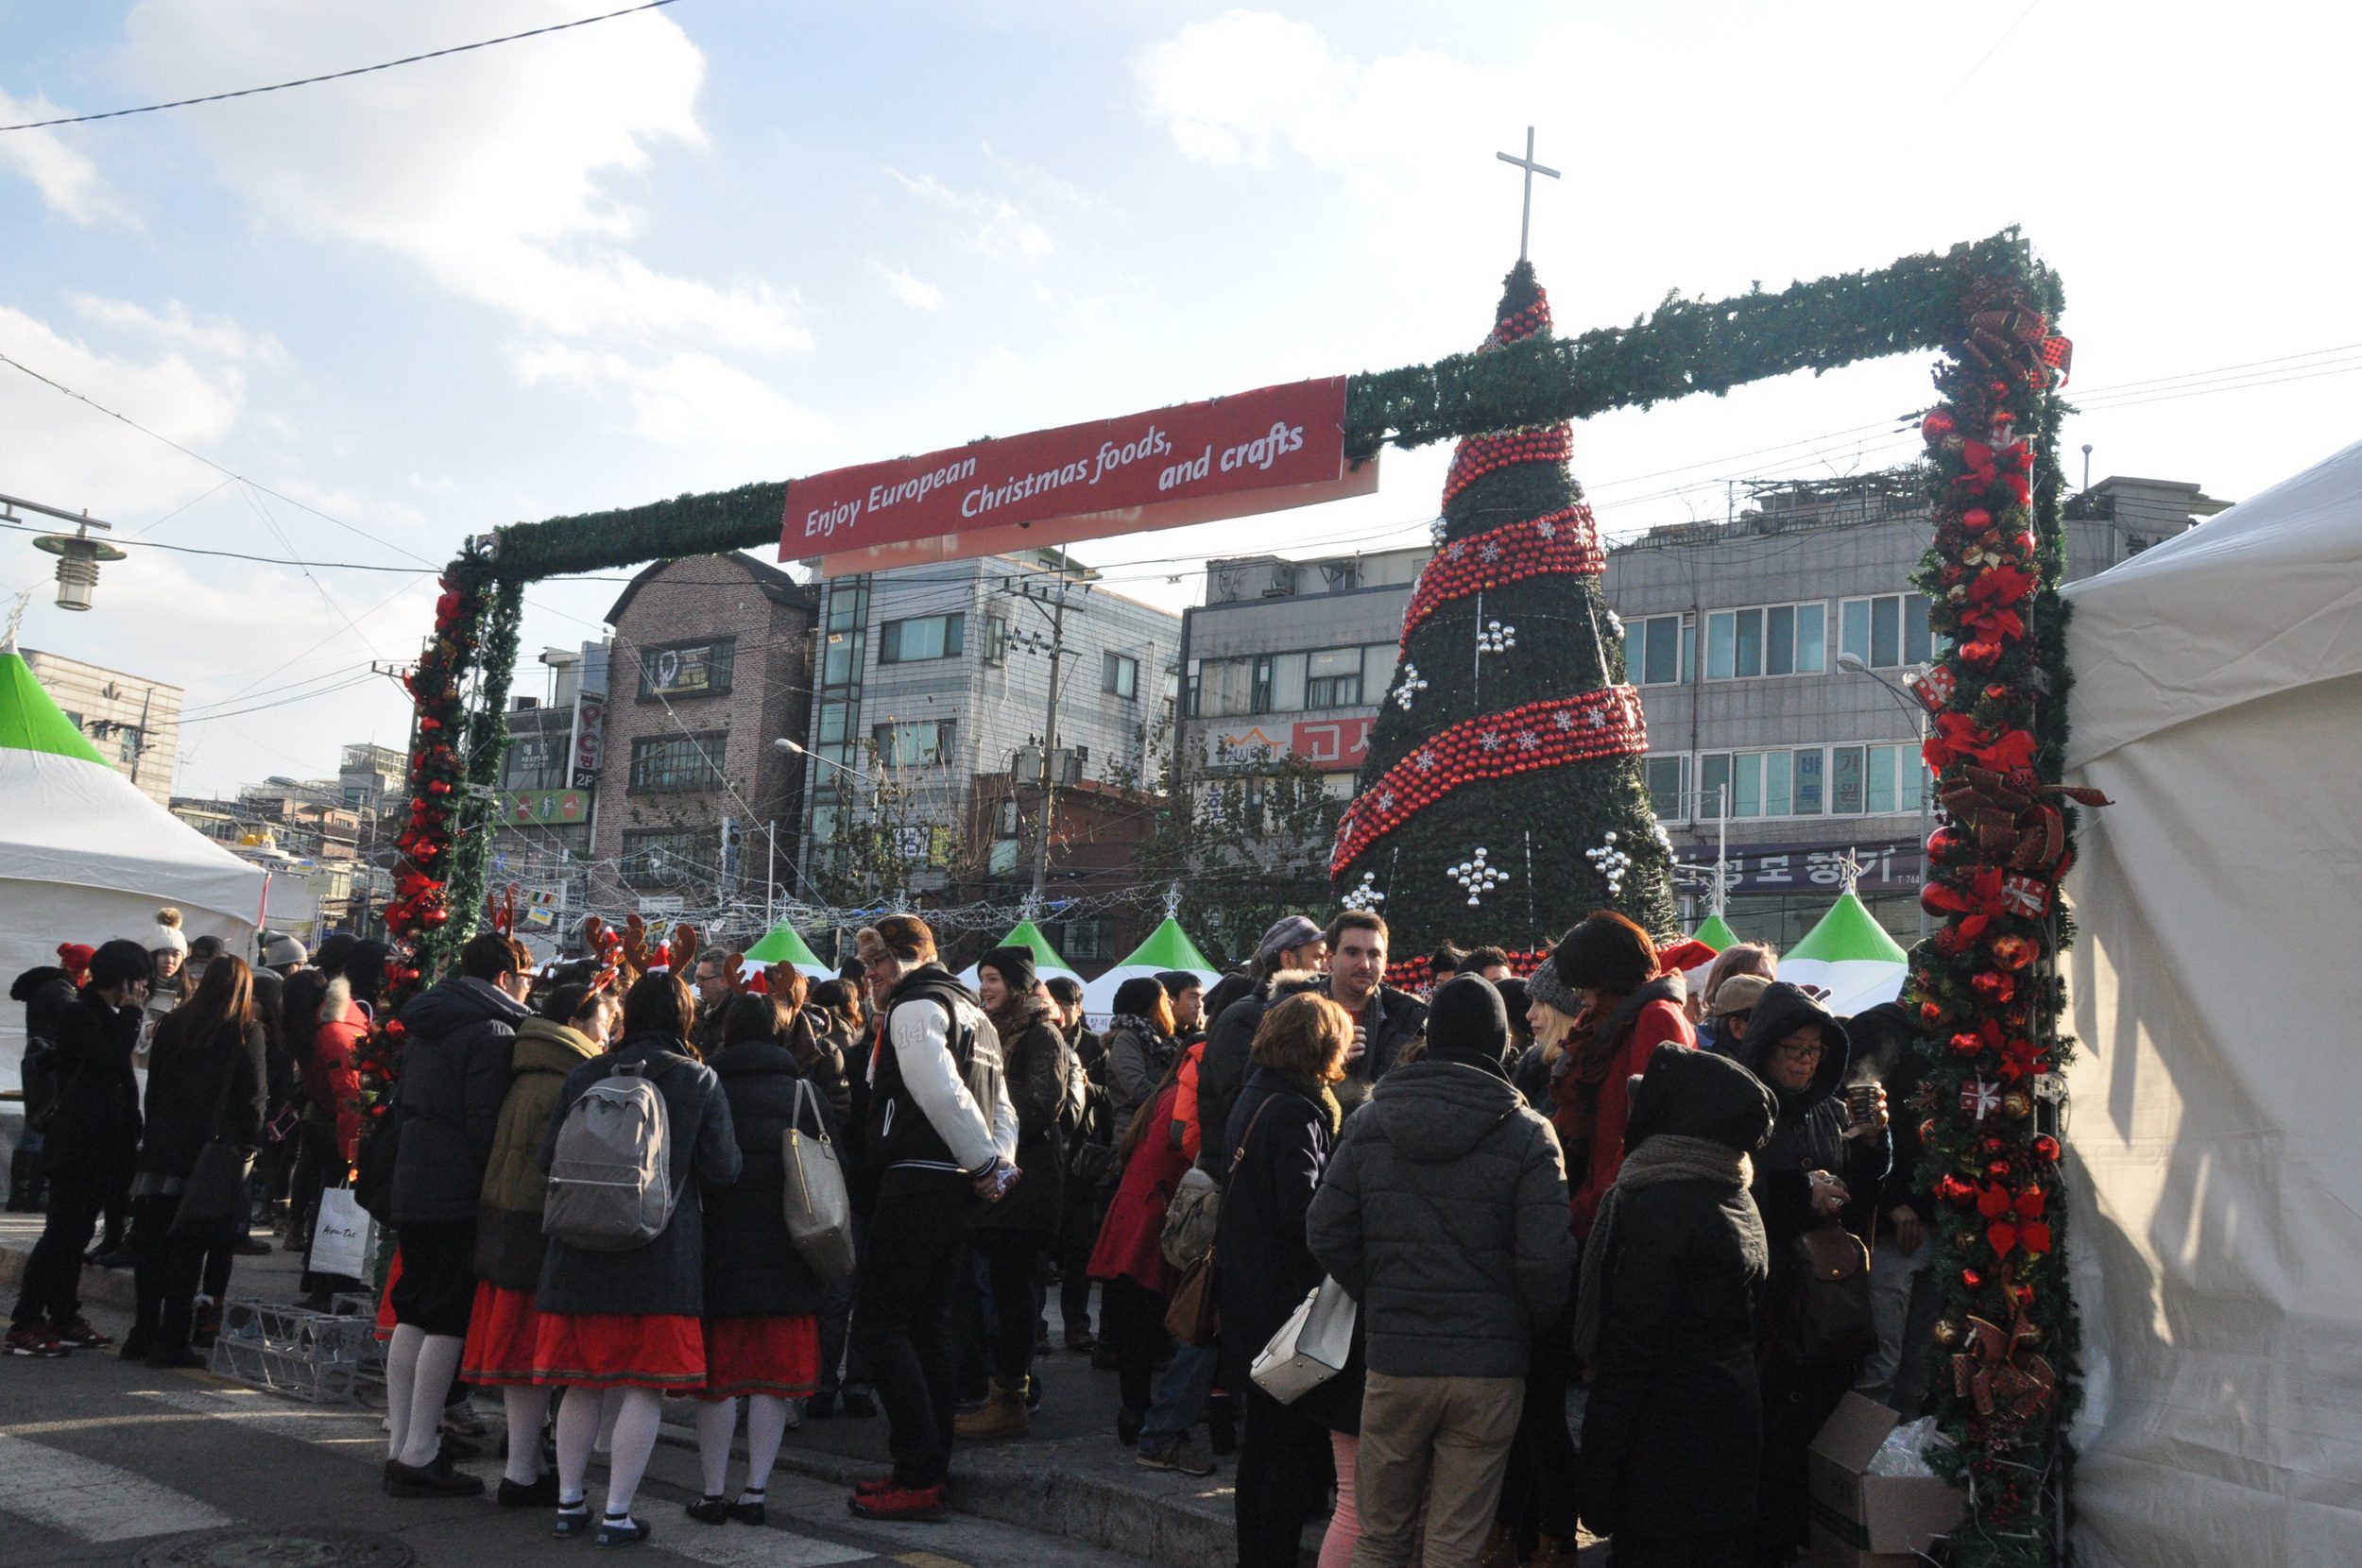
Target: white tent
pixel 85 857
pixel 1167 950
pixel 2215 1175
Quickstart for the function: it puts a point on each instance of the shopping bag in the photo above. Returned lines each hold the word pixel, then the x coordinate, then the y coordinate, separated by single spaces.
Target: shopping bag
pixel 343 1236
pixel 820 1212
pixel 1310 1348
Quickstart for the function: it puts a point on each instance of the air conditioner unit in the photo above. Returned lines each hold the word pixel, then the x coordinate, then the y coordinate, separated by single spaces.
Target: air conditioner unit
pixel 1282 582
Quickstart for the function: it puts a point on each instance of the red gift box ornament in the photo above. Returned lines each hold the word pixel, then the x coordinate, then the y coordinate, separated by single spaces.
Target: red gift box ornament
pixel 1934 688
pixel 1980 1098
pixel 2028 896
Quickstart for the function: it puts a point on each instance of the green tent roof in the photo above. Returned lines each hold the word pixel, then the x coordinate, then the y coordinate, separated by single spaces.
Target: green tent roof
pixel 30 722
pixel 780 945
pixel 1025 934
pixel 1849 933
pixel 1168 948
pixel 1717 935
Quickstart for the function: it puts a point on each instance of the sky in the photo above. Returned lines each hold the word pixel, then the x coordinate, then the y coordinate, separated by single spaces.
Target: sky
pixel 739 240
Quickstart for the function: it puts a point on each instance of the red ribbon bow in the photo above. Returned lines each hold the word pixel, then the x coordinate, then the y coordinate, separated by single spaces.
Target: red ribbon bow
pixel 2014 1219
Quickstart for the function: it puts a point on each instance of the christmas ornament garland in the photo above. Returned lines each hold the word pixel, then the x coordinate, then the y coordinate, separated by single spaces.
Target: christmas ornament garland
pixel 1581 728
pixel 422 904
pixel 1566 540
pixel 1985 989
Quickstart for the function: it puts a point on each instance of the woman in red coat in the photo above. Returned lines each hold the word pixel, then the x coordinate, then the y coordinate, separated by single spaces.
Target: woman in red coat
pixel 1130 1259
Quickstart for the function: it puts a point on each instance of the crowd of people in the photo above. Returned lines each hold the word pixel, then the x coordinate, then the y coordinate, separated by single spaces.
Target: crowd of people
pixel 1597 1175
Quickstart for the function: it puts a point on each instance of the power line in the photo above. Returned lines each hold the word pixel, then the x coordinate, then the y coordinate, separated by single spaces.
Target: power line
pixel 331 76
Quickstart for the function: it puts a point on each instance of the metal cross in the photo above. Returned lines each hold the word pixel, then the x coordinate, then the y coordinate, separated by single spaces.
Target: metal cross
pixel 1524 215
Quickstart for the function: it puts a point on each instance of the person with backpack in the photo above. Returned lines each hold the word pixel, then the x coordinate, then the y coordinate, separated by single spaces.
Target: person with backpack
pixel 91 1141
pixel 762 1299
pixel 446 1114
pixel 504 1326
pixel 942 1135
pixel 622 1293
pixel 1014 1234
pixel 207 1079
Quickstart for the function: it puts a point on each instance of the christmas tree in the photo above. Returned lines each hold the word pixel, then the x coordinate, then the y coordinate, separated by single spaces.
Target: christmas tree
pixel 1503 799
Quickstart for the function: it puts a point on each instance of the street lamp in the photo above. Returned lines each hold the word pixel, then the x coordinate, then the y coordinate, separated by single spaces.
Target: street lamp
pixel 796 748
pixel 79 554
pixel 1853 664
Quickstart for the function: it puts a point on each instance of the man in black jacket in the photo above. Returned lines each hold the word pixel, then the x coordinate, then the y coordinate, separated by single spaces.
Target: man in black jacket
pixel 92 1139
pixel 1384 1019
pixel 454 1076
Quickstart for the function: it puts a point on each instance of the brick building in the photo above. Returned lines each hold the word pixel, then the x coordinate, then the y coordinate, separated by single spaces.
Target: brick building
pixel 710 662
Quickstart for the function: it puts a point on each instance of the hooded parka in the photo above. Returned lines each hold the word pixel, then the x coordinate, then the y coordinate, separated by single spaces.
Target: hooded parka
pixel 508 1243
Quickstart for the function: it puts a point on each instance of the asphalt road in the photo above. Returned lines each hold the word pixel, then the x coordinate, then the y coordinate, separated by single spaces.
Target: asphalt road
pixel 102 1463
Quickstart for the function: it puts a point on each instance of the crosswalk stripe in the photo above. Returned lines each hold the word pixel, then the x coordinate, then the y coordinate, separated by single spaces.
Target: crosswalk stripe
pixel 92 1500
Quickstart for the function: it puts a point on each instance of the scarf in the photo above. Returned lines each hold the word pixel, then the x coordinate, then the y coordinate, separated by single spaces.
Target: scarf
pixel 1576 1077
pixel 1666 1157
pixel 1159 1044
pixel 1320 1095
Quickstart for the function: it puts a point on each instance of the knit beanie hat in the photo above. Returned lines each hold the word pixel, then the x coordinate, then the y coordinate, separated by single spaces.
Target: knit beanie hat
pixel 74 957
pixel 1016 967
pixel 1466 1022
pixel 167 933
pixel 281 951
pixel 1289 931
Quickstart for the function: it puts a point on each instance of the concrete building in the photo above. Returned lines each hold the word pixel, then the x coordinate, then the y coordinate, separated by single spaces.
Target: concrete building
pixel 370 775
pixel 134 722
pixel 550 791
pixel 1734 633
pixel 1292 659
pixel 928 722
pixel 711 663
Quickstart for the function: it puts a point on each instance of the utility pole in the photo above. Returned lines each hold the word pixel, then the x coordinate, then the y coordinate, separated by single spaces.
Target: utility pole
pixel 1051 604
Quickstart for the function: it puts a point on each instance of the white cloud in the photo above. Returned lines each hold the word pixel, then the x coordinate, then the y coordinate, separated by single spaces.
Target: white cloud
pixel 1002 229
pixel 685 398
pixel 69 182
pixel 218 336
pixel 503 175
pixel 916 293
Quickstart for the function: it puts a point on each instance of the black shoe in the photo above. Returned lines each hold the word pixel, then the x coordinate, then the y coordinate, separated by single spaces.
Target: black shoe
pixel 136 1344
pixel 541 1494
pixel 435 1480
pixel 1079 1342
pixel 860 1404
pixel 110 1258
pixel 821 1405
pixel 1128 1425
pixel 747 1513
pixel 168 1356
pixel 626 1531
pixel 709 1510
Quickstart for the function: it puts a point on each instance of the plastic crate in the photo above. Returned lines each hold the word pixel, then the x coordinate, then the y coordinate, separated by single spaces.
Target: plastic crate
pixel 311 1355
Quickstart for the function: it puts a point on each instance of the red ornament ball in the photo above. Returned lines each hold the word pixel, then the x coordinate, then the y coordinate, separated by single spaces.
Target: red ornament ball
pixel 1996 693
pixel 2047 1149
pixel 1938 425
pixel 1932 1014
pixel 1972 1280
pixel 1966 1044
pixel 1977 520
pixel 1980 653
pixel 1998 1170
pixel 2010 951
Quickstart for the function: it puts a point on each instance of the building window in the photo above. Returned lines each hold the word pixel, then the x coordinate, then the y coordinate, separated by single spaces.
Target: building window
pixel 1226 687
pixel 996 639
pixel 1809 781
pixel 926 744
pixel 130 747
pixel 1121 674
pixel 1332 679
pixel 1007 823
pixel 923 638
pixel 1669 786
pixel 676 764
pixel 668 857
pixel 1656 651
pixel 686 670
pixel 1767 640
pixel 1084 940
pixel 1885 632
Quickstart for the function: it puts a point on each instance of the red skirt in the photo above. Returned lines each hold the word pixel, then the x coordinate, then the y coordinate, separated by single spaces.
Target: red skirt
pixel 761 1356
pixel 502 1330
pixel 619 1349
pixel 384 1328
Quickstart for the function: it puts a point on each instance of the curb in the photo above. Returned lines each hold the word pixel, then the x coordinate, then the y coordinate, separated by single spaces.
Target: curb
pixel 109 1287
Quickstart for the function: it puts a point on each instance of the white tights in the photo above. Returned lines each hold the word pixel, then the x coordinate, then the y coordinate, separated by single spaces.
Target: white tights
pixel 717 1421
pixel 419 1369
pixel 639 1413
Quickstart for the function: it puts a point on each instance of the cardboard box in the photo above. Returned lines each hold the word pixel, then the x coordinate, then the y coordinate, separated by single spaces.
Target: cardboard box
pixel 1865 1521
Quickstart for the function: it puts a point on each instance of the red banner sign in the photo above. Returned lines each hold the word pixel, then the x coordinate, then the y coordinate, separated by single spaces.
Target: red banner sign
pixel 1264 450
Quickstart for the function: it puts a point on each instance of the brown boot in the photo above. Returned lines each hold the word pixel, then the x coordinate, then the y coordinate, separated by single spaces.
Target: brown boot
pixel 1004 1416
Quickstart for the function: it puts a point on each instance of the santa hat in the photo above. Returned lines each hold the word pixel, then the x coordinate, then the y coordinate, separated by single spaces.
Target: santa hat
pixel 1687 954
pixel 660 961
pixel 760 985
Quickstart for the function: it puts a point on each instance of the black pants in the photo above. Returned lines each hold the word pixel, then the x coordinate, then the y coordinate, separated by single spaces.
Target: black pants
pixel 902 1322
pixel 1078 1232
pixel 1282 1455
pixel 1538 1494
pixel 1132 1321
pixel 1013 1261
pixel 1796 1401
pixel 1722 1549
pixel 50 1292
pixel 165 1271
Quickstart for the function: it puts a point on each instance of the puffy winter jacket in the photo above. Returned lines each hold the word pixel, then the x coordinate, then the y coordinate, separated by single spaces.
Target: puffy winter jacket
pixel 1034 1063
pixel 1443 1212
pixel 1223 1066
pixel 93 1130
pixel 332 1079
pixel 509 1244
pixel 752 1266
pixel 454 1074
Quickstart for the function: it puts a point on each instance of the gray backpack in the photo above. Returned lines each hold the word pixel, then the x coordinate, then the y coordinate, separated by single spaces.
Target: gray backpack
pixel 610 1182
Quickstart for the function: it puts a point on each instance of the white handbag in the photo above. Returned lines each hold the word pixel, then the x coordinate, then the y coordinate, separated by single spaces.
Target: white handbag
pixel 1312 1347
pixel 819 1213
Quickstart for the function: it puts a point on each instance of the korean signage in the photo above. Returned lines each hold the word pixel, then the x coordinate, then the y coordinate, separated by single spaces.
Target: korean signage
pixel 1329 744
pixel 589 734
pixel 547 807
pixel 1885 867
pixel 1262 450
pixel 674 672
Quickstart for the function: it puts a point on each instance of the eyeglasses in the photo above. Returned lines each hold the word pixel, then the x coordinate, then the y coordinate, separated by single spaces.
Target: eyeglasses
pixel 1804 1053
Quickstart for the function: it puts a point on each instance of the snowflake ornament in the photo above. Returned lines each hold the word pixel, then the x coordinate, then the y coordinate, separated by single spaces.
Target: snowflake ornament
pixel 1477 876
pixel 1610 863
pixel 1365 894
pixel 1412 684
pixel 1614 624
pixel 1496 638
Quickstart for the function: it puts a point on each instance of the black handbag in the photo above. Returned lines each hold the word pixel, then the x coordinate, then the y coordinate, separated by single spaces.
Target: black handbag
pixel 1826 1319
pixel 213 1210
